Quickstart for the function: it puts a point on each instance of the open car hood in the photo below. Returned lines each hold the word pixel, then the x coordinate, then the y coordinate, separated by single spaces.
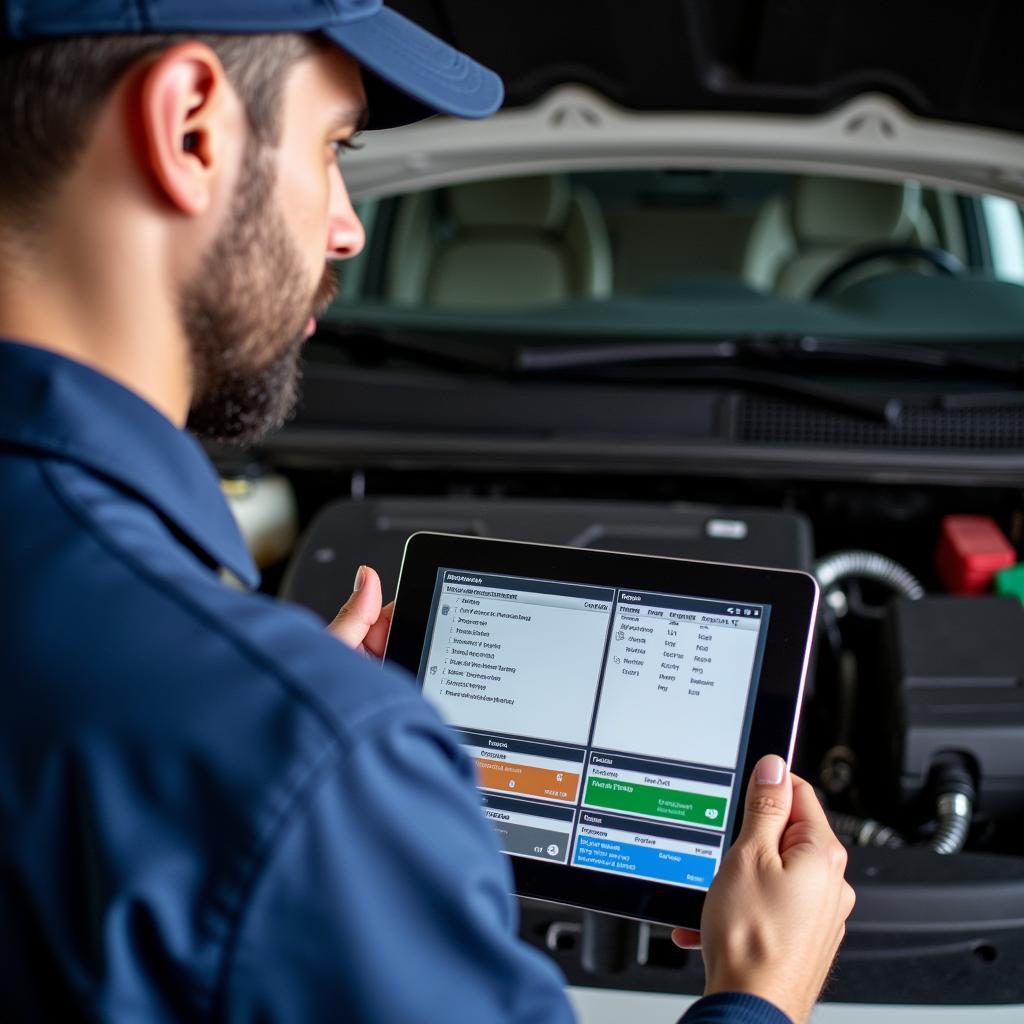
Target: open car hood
pixel 945 62
pixel 906 90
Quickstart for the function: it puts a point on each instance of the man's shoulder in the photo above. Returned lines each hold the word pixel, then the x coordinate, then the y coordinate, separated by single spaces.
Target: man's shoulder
pixel 128 654
pixel 121 606
pixel 159 730
pixel 115 631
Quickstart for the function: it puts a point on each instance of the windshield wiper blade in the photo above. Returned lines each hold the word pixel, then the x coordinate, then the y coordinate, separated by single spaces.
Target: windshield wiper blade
pixel 773 348
pixel 496 351
pixel 582 363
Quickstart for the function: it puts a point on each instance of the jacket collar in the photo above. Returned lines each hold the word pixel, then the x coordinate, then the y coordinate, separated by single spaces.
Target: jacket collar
pixel 53 405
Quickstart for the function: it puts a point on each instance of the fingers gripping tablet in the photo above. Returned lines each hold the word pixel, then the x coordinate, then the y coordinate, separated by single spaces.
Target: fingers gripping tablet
pixel 612 704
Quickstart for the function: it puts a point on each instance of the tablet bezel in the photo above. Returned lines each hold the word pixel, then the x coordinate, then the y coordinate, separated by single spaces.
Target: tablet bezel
pixel 792 595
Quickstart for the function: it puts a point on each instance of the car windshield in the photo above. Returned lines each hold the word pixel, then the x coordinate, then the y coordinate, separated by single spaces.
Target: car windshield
pixel 689 255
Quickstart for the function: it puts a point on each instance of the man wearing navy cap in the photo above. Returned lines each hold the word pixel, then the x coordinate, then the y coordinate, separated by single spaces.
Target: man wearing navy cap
pixel 210 809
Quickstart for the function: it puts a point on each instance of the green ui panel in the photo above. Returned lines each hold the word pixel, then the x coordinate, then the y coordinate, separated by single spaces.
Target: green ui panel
pixel 693 808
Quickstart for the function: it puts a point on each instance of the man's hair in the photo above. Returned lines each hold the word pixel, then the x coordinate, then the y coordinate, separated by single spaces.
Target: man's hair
pixel 52 92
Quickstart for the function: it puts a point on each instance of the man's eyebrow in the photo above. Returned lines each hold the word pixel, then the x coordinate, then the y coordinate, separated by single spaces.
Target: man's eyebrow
pixel 355 118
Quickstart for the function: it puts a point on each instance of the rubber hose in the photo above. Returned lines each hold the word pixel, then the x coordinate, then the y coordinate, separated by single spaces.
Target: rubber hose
pixel 841 565
pixel 863 831
pixel 954 805
pixel 954 822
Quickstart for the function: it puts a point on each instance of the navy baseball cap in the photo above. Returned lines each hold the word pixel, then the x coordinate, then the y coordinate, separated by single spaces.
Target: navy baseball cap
pixel 409 73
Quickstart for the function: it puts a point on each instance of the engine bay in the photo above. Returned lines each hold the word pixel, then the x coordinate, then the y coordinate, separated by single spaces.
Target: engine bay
pixel 913 723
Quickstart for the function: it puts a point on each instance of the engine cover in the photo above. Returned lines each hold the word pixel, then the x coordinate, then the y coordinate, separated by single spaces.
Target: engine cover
pixel 958 668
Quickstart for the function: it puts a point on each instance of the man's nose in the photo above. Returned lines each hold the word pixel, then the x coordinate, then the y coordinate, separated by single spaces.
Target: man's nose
pixel 345 234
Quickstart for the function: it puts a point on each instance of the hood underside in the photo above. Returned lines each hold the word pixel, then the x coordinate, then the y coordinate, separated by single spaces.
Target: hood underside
pixel 951 62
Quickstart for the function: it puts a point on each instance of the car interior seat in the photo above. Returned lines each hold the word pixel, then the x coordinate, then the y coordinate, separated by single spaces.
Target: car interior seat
pixel 507 243
pixel 798 238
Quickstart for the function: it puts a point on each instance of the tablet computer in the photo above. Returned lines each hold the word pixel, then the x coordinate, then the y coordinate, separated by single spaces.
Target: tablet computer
pixel 614 704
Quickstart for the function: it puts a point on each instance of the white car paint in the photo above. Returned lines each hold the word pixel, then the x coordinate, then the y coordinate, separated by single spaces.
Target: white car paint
pixel 871 136
pixel 602 1006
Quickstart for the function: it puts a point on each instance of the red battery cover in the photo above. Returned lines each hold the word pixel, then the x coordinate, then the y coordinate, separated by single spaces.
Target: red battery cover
pixel 972 549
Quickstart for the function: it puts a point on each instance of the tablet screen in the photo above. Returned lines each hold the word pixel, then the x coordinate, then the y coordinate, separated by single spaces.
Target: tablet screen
pixel 609 726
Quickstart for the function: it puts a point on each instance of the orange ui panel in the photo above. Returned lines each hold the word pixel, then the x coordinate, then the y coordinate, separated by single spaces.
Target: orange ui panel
pixel 528 780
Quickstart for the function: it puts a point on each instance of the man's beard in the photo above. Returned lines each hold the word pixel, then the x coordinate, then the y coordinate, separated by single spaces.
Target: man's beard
pixel 245 313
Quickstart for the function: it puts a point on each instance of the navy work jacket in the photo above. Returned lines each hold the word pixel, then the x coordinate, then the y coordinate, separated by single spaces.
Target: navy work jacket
pixel 210 810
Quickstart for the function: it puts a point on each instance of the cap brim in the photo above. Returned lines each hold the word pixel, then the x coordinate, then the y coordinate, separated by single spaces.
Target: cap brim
pixel 413 74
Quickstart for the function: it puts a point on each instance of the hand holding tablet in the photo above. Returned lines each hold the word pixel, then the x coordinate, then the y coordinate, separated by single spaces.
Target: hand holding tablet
pixel 774 920
pixel 613 703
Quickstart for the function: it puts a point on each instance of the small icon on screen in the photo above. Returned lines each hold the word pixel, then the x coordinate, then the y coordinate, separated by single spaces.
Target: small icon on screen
pixel 433 670
pixel 553 850
pixel 445 609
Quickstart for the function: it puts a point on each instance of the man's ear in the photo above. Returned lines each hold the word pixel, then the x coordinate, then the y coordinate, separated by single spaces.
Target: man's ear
pixel 186 124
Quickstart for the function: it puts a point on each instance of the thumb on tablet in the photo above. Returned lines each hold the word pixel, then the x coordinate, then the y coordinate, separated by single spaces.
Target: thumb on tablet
pixel 768 805
pixel 361 611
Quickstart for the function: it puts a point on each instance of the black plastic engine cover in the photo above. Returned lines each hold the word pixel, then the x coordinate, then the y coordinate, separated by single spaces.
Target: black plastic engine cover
pixel 347 533
pixel 958 666
pixel 927 930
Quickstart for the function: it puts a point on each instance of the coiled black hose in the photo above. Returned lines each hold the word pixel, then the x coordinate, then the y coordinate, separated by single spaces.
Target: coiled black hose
pixel 954 805
pixel 869 565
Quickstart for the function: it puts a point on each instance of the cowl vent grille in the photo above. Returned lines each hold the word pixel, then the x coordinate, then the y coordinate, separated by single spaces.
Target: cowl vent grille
pixel 776 421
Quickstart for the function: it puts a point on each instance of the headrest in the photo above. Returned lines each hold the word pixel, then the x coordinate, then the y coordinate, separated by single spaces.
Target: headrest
pixel 841 212
pixel 540 203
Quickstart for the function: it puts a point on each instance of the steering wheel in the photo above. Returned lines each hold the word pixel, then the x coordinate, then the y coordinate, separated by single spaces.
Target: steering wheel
pixel 944 262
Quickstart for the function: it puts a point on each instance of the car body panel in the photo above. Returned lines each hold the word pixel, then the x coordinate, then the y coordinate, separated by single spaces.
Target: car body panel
pixel 870 136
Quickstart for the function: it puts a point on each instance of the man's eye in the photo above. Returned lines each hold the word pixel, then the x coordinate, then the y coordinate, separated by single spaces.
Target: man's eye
pixel 337 145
